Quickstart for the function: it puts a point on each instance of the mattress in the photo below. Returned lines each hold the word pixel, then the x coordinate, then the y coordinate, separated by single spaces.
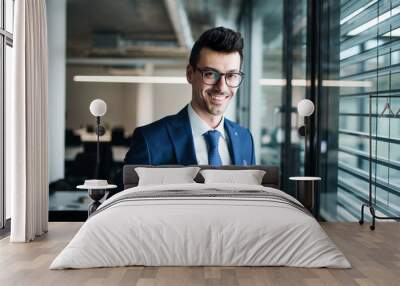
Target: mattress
pixel 201 225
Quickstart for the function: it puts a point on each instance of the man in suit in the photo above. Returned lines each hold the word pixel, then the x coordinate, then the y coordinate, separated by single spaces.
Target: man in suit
pixel 199 133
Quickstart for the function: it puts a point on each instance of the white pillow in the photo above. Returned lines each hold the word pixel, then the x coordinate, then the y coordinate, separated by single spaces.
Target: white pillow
pixel 164 176
pixel 248 177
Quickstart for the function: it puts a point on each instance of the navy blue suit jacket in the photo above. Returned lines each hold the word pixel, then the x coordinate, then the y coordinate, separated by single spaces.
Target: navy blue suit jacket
pixel 169 141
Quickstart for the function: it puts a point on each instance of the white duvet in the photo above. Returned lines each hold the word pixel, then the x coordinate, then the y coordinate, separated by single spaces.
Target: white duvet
pixel 209 230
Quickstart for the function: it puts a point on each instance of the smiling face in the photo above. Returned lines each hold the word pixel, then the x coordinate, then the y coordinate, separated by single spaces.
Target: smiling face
pixel 211 101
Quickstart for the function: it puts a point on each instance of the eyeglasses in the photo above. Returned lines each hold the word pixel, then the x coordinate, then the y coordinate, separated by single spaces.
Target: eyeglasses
pixel 211 77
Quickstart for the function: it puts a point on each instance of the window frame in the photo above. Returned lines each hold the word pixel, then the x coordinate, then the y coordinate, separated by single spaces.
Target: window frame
pixel 339 199
pixel 6 39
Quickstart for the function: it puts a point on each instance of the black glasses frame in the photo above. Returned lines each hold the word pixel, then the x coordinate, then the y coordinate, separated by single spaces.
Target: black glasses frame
pixel 202 71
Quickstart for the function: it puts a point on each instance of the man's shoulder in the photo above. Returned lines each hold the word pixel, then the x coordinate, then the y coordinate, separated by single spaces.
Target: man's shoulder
pixel 235 126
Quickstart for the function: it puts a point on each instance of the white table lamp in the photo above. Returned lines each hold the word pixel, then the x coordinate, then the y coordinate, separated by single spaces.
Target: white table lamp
pixel 305 108
pixel 98 108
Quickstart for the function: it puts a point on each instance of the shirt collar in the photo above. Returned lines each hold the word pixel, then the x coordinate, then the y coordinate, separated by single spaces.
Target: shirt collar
pixel 199 126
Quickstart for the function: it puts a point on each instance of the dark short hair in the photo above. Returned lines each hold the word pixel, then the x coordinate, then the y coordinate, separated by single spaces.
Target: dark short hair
pixel 218 39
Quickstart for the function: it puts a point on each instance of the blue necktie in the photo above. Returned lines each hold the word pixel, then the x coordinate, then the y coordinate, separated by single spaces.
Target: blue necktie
pixel 212 137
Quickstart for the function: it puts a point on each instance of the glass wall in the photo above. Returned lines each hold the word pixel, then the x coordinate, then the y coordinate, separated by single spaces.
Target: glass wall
pixel 275 34
pixel 361 63
pixel 272 86
pixel 277 71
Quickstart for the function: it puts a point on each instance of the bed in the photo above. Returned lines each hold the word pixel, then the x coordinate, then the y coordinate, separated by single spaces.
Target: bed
pixel 198 224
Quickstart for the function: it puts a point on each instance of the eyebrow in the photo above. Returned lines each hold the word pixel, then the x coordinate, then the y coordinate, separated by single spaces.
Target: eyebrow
pixel 210 68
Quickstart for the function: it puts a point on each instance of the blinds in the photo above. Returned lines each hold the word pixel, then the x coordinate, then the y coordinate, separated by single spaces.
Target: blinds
pixel 369 55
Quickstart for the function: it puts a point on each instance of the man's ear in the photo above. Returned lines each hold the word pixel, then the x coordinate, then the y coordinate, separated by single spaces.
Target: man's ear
pixel 189 73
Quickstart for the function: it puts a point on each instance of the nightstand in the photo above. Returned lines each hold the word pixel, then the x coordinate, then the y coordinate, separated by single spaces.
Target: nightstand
pixel 96 193
pixel 305 191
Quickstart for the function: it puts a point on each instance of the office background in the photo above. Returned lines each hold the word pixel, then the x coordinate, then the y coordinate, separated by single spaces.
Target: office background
pixel 336 53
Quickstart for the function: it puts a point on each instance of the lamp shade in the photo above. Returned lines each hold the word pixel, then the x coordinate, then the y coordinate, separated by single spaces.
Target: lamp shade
pixel 305 107
pixel 98 107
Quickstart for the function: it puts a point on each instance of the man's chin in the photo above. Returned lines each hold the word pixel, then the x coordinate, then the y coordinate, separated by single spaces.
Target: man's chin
pixel 216 111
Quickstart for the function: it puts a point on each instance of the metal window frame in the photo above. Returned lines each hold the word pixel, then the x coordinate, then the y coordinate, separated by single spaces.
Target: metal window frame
pixel 361 195
pixel 365 155
pixel 2 125
pixel 243 100
pixel 370 178
pixel 364 176
pixel 366 135
pixel 287 168
pixel 6 39
pixel 252 11
pixel 324 33
pixel 2 176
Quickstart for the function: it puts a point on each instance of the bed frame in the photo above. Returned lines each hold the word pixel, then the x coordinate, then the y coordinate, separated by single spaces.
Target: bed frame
pixel 270 179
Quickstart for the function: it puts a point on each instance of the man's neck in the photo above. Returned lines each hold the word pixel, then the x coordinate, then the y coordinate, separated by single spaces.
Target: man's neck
pixel 211 120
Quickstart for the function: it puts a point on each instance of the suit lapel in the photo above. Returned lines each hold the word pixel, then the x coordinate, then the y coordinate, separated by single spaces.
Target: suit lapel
pixel 234 143
pixel 181 136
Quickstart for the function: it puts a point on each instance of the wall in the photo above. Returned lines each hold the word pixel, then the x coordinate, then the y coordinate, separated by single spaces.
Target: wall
pixel 129 104
pixel 56 25
pixel 171 98
pixel 80 94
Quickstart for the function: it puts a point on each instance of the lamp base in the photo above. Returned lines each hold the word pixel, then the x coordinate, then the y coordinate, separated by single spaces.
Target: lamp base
pixel 96 196
pixel 302 130
pixel 100 130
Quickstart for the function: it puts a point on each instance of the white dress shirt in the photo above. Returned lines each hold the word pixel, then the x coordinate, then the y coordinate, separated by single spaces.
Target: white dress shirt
pixel 199 127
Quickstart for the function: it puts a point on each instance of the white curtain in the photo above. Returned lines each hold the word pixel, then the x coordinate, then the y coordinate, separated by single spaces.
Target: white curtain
pixel 28 122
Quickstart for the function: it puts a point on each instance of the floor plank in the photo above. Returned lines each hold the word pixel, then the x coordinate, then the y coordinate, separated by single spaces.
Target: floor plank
pixel 375 257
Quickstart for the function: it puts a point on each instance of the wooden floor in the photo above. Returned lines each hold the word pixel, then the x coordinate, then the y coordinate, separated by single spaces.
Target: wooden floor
pixel 375 257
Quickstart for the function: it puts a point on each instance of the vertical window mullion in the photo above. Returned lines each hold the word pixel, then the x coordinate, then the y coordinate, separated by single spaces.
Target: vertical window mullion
pixel 6 38
pixel 2 125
